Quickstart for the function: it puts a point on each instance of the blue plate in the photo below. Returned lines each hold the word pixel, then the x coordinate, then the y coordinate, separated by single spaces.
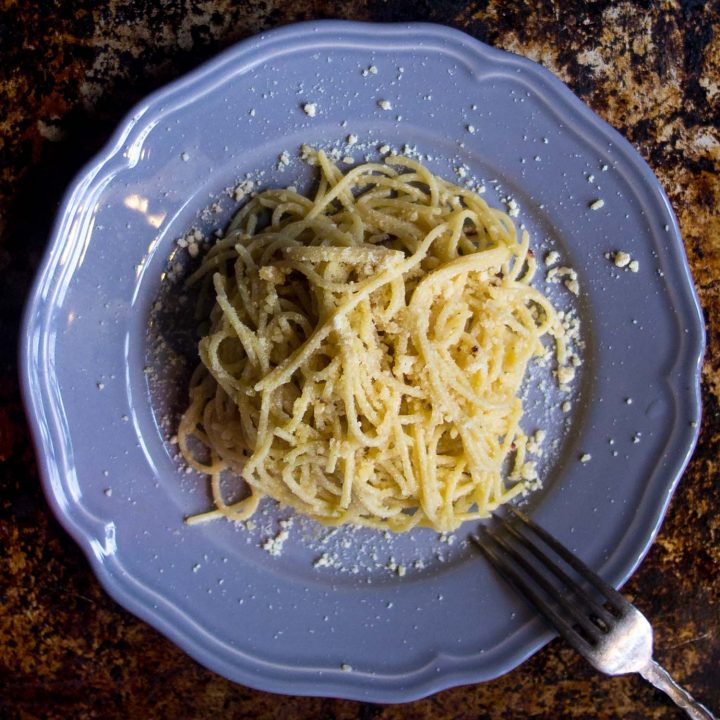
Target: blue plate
pixel 100 397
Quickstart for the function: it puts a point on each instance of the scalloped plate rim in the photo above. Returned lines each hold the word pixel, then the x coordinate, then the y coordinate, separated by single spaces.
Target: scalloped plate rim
pixel 416 682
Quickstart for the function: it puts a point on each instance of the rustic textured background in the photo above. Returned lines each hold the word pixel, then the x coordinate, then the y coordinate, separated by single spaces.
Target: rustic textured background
pixel 69 70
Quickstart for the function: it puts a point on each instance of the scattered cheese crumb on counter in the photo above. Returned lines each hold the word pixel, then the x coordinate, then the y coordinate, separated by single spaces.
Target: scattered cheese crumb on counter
pixel 310 109
pixel 50 131
pixel 585 458
pixel 384 104
pixel 346 668
pixel 597 204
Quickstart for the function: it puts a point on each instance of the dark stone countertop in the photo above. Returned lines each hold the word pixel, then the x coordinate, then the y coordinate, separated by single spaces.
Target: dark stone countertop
pixel 69 70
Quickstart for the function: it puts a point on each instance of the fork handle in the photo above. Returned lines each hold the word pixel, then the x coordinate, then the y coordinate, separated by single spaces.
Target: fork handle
pixel 662 680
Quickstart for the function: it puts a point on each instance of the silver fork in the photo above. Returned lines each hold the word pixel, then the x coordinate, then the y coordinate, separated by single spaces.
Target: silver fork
pixel 612 634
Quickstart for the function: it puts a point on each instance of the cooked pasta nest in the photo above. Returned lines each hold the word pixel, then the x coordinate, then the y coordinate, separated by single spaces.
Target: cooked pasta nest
pixel 366 350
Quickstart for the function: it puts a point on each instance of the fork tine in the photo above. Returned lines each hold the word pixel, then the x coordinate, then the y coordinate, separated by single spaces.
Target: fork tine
pixel 616 600
pixel 570 610
pixel 528 592
pixel 567 581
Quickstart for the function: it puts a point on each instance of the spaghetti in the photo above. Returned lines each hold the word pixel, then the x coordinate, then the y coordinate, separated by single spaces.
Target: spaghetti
pixel 366 350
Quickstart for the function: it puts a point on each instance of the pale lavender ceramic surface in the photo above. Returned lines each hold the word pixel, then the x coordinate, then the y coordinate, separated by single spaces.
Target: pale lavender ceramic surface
pixel 277 623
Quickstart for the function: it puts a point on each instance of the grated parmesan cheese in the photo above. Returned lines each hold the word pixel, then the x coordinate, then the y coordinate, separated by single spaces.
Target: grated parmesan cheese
pixel 552 258
pixel 274 545
pixel 242 190
pixel 621 259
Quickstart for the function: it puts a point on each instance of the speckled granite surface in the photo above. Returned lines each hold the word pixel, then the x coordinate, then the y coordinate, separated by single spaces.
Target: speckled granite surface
pixel 68 72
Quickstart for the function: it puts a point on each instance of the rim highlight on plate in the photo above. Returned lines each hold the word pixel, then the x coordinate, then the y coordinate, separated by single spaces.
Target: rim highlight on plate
pixel 280 624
